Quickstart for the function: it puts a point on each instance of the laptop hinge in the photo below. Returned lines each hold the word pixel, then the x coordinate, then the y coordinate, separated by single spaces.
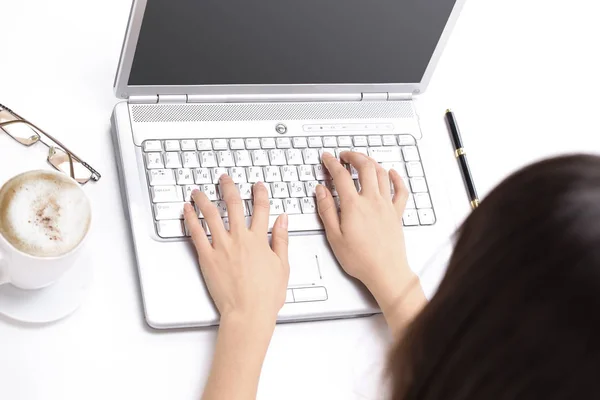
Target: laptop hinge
pixel 400 96
pixel 172 98
pixel 152 99
pixel 369 96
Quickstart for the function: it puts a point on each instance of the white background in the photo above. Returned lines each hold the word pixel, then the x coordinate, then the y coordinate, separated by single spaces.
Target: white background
pixel 522 76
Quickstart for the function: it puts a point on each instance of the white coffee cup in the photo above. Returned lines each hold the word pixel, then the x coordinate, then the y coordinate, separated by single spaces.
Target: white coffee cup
pixel 33 269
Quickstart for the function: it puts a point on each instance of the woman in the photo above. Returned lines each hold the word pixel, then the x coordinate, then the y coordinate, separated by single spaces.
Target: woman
pixel 515 317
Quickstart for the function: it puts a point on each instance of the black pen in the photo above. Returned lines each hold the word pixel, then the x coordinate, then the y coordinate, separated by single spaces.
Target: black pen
pixel 461 157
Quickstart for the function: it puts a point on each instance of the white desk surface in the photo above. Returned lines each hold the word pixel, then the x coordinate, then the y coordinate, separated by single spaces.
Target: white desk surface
pixel 522 77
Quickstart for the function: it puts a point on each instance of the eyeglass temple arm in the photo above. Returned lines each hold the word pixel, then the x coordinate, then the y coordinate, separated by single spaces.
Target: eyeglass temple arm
pixel 95 174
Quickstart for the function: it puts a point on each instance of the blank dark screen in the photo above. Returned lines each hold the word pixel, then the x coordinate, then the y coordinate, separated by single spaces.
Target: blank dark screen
pixel 223 42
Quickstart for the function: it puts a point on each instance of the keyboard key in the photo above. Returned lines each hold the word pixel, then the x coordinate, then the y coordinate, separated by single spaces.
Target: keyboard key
pixel 330 141
pixel 311 188
pixel 245 191
pixel 321 173
pixel 225 158
pixel 374 140
pixel 414 168
pixel 267 143
pixel 308 205
pixel 170 229
pixel 326 150
pixel 242 158
pixel 418 185
pixel 280 190
pixel 217 173
pixel 255 174
pixel 422 200
pixel 204 144
pixel 305 173
pixel 292 206
pixel 344 141
pixel 184 176
pixel 389 140
pixel 331 186
pixel 426 216
pixel 172 160
pixel 283 143
pixel 311 156
pixel 315 141
pixel 172 145
pixel 259 157
pixel 190 159
pixel 297 189
pixel 166 194
pixel 410 218
pixel 276 207
pixel 238 174
pixel 208 159
pixel 221 207
pixel 385 154
pixel 406 140
pixel 154 161
pixel 360 141
pixel 152 145
pixel 252 144
pixel 272 174
pixel 397 166
pixel 299 142
pixel 202 175
pixel 168 210
pixel 187 192
pixel 188 145
pixel 340 150
pixel 219 144
pixel 161 177
pixel 289 173
pixel 294 157
pixel 362 150
pixel 236 144
pixel 210 191
pixel 410 153
pixel 277 157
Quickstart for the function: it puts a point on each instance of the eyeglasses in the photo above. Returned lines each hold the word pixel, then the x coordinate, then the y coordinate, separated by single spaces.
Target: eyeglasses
pixel 59 156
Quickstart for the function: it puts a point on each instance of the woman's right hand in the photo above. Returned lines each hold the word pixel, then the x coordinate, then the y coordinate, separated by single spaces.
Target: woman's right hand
pixel 367 236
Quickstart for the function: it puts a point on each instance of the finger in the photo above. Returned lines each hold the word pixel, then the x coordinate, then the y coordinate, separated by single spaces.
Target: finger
pixel 261 206
pixel 279 239
pixel 367 172
pixel 328 211
pixel 211 216
pixel 341 177
pixel 233 200
pixel 196 229
pixel 383 178
pixel 400 192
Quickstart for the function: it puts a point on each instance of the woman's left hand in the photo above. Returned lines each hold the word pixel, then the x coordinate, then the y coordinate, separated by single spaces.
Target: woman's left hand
pixel 246 278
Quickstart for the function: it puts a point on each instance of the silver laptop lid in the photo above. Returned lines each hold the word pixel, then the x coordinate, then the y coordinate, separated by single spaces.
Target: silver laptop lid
pixel 276 48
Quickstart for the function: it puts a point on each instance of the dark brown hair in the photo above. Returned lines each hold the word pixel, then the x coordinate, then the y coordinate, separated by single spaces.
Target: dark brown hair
pixel 517 315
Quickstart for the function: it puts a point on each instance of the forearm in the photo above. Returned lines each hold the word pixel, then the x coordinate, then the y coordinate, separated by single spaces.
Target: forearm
pixel 400 298
pixel 240 351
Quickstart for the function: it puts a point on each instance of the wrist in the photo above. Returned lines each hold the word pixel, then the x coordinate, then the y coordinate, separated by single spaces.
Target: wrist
pixel 248 324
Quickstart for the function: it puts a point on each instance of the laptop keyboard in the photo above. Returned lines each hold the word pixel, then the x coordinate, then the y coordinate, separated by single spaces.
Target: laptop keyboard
pixel 290 167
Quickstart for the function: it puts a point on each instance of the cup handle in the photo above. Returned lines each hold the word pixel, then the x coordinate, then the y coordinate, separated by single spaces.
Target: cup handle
pixel 3 273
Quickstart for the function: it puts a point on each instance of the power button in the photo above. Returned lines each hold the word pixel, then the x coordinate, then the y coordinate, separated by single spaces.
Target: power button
pixel 281 128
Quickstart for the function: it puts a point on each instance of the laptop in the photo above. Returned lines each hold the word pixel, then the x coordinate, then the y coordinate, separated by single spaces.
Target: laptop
pixel 260 90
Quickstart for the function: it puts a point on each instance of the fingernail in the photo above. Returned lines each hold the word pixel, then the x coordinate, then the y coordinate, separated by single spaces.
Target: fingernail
pixel 321 192
pixel 224 176
pixel 187 207
pixel 325 155
pixel 283 221
pixel 258 184
pixel 195 191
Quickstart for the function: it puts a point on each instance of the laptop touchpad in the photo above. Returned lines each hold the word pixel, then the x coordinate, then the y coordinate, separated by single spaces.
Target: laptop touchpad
pixel 304 267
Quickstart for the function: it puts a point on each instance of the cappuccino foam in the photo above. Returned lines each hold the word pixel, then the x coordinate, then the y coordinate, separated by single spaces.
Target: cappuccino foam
pixel 43 214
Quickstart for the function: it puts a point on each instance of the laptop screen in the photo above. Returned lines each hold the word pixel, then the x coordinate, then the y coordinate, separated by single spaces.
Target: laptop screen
pixel 243 42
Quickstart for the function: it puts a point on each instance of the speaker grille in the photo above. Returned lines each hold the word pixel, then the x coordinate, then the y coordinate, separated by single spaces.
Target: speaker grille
pixel 270 111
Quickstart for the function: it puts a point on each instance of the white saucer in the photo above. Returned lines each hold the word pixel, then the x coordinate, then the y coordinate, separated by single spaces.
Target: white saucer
pixel 49 304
